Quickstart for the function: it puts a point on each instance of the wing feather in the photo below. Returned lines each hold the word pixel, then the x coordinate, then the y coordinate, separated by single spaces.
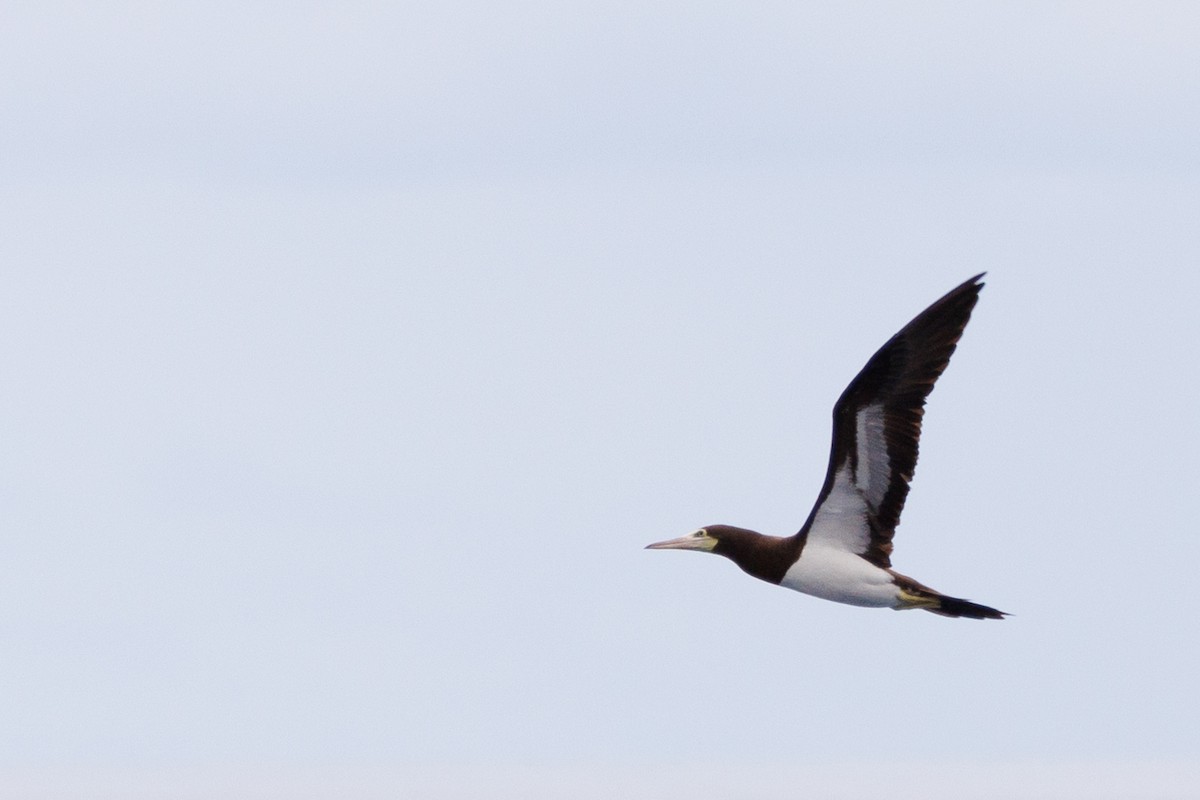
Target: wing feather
pixel 877 427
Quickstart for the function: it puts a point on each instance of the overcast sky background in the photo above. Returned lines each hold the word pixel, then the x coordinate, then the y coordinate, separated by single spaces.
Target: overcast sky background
pixel 351 353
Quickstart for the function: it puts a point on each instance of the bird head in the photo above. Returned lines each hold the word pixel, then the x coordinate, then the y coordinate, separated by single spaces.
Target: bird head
pixel 765 557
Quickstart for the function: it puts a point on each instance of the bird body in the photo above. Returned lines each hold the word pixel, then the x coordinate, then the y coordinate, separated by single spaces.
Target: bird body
pixel 843 577
pixel 843 551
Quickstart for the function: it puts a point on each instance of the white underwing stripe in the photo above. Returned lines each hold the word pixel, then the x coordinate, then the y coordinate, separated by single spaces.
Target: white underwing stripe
pixel 873 474
pixel 841 520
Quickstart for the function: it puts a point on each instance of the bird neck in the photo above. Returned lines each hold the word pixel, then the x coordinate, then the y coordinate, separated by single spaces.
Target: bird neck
pixel 765 557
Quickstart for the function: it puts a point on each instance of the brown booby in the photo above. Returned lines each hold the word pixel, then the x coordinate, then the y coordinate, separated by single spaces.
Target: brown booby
pixel 843 552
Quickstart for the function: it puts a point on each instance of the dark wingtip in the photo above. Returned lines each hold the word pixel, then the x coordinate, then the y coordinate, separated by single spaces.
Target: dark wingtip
pixel 971 285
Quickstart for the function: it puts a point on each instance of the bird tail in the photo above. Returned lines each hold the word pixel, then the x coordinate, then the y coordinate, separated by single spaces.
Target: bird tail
pixel 915 595
pixel 957 607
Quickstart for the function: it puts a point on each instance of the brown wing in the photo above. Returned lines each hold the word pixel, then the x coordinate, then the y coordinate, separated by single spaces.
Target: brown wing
pixel 876 428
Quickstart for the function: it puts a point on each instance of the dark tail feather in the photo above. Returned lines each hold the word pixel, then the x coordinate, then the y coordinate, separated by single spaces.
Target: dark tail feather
pixel 957 607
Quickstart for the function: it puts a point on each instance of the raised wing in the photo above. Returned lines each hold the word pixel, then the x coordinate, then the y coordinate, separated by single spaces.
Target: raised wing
pixel 876 427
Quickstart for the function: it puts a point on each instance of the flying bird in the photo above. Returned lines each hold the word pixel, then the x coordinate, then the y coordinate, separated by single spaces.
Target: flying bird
pixel 843 552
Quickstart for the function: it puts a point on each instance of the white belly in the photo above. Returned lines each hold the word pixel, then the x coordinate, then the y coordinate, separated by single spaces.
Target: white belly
pixel 841 577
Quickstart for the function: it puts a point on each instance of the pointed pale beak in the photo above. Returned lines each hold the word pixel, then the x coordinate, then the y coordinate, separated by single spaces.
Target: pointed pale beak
pixel 693 541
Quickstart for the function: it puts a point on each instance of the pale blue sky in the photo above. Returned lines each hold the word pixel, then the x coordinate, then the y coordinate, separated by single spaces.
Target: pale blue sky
pixel 352 354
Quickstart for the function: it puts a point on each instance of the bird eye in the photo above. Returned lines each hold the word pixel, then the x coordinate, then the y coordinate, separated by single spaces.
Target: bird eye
pixel 700 534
